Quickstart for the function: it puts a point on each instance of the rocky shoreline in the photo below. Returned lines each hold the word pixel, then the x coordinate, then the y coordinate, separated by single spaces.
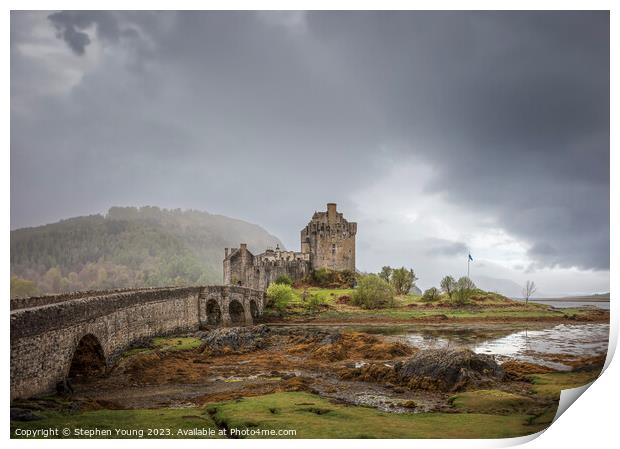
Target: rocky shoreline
pixel 347 367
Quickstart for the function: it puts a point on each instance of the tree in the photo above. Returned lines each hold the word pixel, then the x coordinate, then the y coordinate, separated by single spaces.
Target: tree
pixel 432 294
pixel 284 279
pixel 386 273
pixel 448 285
pixel 529 290
pixel 373 292
pixel 52 280
pixel 22 288
pixel 465 287
pixel 279 296
pixel 402 280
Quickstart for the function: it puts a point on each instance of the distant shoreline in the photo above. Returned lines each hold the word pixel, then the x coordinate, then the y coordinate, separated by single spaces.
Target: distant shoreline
pixel 575 299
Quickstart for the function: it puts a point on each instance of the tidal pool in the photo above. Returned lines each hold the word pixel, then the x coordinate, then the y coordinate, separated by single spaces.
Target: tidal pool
pixel 540 343
pixel 540 346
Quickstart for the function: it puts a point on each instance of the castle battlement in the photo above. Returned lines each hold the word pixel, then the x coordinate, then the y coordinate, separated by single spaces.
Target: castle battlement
pixel 327 241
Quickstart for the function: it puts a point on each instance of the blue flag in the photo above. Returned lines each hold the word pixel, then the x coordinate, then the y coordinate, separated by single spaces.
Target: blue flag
pixel 470 258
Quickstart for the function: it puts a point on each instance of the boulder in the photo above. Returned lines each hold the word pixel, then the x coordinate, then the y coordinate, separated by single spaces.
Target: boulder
pixel 447 369
pixel 237 339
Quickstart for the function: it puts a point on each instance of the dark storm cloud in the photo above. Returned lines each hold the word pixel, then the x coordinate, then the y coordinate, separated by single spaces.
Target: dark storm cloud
pixel 71 26
pixel 263 117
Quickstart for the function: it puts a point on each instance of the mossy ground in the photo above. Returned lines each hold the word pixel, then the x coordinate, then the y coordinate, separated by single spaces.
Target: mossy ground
pixel 492 401
pixel 176 343
pixel 315 417
pixel 129 420
pixel 308 415
pixel 551 384
pixel 166 344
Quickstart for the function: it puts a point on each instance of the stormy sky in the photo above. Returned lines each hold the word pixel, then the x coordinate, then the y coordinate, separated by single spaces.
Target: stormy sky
pixel 440 133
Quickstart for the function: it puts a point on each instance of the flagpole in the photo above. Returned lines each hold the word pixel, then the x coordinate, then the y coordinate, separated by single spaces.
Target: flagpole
pixel 467 266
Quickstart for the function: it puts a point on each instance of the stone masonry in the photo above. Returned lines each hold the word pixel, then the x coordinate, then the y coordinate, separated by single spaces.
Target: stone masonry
pixel 46 331
pixel 328 241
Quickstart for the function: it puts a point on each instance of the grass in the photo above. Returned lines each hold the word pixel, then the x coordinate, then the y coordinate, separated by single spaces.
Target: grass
pixel 314 417
pixel 518 312
pixel 176 343
pixel 492 401
pixel 551 384
pixel 170 423
pixel 166 344
pixel 307 414
pixel 482 305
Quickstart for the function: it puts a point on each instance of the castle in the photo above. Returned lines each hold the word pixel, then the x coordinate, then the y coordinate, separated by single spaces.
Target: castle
pixel 328 241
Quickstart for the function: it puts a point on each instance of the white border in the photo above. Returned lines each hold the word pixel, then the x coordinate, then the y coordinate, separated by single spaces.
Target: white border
pixel 591 422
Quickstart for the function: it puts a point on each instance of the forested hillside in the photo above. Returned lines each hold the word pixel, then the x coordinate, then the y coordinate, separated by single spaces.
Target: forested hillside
pixel 128 247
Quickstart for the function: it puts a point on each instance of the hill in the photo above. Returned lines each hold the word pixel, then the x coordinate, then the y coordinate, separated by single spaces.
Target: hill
pixel 127 247
pixel 505 287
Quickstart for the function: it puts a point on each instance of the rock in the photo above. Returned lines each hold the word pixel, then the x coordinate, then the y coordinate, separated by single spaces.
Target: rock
pixel 331 338
pixel 447 369
pixel 23 414
pixel 64 387
pixel 241 339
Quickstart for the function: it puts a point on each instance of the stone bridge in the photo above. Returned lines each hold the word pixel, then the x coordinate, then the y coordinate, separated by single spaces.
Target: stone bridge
pixel 68 336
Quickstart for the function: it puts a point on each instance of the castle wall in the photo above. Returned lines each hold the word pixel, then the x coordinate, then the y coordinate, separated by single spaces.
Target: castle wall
pixel 330 240
pixel 267 272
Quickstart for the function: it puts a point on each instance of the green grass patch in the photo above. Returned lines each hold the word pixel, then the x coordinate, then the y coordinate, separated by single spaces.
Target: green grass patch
pixel 176 343
pixel 326 295
pixel 166 423
pixel 492 401
pixel 551 384
pixel 482 305
pixel 314 417
pixel 447 312
pixel 166 344
pixel 545 418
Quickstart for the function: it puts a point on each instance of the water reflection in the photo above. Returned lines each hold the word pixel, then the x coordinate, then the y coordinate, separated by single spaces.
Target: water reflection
pixel 535 346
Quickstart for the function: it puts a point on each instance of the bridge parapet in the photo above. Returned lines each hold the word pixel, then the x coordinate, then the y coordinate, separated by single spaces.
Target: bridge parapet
pixel 45 335
pixel 38 301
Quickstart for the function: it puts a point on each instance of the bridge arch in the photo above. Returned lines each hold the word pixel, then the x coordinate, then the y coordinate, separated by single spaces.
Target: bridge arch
pixel 87 360
pixel 236 312
pixel 214 313
pixel 84 333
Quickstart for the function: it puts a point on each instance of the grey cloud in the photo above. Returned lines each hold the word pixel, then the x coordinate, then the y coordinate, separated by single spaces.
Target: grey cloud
pixel 439 247
pixel 223 111
pixel 71 26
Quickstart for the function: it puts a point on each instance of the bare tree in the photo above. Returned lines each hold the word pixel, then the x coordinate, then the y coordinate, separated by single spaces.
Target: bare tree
pixel 529 290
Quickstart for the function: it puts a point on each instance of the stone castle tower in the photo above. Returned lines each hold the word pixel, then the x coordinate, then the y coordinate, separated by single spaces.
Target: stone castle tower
pixel 328 241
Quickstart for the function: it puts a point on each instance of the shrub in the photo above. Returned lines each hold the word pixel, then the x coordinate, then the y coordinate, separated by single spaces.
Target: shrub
pixel 432 294
pixel 465 287
pixel 314 303
pixel 402 280
pixel 448 285
pixel 284 279
pixel 321 277
pixel 386 273
pixel 324 277
pixel 279 296
pixel 373 292
pixel 347 278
